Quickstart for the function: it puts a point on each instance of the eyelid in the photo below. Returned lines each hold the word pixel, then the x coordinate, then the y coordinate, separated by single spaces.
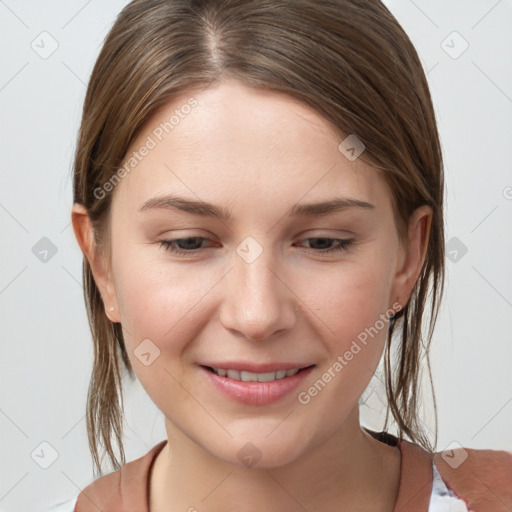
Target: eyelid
pixel 341 245
pixel 310 233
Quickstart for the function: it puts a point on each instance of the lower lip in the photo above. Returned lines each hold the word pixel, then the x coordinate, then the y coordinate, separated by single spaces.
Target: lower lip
pixel 256 393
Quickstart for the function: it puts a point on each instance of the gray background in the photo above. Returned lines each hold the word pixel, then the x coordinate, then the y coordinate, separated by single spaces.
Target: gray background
pixel 45 339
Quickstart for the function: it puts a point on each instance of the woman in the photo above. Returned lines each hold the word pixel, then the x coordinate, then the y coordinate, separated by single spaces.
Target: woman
pixel 258 196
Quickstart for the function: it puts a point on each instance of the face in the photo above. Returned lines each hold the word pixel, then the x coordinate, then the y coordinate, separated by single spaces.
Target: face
pixel 264 287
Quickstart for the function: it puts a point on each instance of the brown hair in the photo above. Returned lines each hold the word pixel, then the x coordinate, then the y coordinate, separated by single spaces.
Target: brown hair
pixel 349 60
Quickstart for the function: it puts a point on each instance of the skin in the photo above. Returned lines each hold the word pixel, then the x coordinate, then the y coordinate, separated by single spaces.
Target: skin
pixel 291 304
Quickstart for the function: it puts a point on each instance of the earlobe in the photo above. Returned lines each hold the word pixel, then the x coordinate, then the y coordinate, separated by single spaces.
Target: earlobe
pixel 83 229
pixel 414 253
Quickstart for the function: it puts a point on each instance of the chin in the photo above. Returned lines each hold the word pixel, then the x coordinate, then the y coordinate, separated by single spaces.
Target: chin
pixel 261 452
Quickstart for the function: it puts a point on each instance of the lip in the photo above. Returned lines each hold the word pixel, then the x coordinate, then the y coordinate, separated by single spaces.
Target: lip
pixel 256 368
pixel 256 393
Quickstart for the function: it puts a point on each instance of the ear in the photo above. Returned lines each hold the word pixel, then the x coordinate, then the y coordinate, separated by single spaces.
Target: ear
pixel 412 254
pixel 82 226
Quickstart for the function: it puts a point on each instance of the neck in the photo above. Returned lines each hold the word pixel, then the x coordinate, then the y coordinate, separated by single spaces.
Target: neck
pixel 349 471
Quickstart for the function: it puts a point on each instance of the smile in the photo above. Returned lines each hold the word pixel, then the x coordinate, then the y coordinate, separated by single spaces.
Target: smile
pixel 254 377
pixel 256 388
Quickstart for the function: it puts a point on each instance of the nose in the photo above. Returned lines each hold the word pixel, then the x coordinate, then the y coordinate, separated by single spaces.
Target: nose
pixel 258 301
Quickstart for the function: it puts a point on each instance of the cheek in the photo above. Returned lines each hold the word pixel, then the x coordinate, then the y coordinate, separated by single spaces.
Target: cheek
pixel 150 300
pixel 351 309
pixel 354 314
pixel 159 320
pixel 163 302
pixel 348 299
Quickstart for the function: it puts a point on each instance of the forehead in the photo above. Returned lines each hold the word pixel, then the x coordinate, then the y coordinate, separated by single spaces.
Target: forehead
pixel 243 146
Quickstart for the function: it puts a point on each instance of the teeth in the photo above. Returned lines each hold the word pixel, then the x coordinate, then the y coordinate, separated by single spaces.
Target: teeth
pixel 233 374
pixel 255 377
pixel 266 377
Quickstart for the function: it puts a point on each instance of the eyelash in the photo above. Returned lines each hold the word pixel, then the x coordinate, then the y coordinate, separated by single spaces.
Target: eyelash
pixel 170 245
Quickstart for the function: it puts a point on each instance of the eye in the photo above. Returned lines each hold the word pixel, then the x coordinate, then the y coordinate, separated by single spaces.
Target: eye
pixel 191 245
pixel 342 244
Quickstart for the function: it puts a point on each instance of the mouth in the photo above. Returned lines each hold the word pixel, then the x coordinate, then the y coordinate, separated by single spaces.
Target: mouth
pixel 249 376
pixel 256 385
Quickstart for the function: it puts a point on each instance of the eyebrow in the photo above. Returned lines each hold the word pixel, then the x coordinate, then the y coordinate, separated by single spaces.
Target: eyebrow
pixel 209 210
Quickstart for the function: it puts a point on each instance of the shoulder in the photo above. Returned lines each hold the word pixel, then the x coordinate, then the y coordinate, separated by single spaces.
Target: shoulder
pixel 481 477
pixel 126 487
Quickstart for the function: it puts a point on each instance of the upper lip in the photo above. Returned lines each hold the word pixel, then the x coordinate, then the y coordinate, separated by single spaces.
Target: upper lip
pixel 256 368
